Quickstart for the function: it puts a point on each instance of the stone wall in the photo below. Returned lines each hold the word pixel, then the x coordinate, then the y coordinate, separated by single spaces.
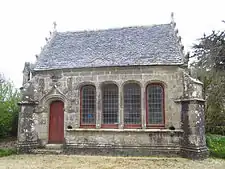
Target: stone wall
pixel 184 118
pixel 65 85
pixel 134 142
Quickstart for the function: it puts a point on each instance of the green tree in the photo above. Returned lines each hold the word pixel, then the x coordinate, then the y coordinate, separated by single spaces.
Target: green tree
pixel 209 66
pixel 9 97
pixel 210 51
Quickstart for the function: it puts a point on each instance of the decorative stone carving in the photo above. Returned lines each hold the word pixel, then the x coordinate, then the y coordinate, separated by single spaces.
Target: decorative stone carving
pixel 55 83
pixel 69 84
pixel 65 91
pixel 41 85
pixel 56 76
pixel 53 92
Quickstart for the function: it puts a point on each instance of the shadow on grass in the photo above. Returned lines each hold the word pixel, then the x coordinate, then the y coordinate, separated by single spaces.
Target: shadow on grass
pixel 7 151
pixel 7 146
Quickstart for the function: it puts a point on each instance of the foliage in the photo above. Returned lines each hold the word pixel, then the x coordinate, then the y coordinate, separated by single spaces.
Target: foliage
pixel 210 52
pixel 9 109
pixel 215 97
pixel 216 145
pixel 7 152
pixel 209 67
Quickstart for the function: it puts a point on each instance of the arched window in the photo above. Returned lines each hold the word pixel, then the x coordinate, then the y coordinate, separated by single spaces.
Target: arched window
pixel 155 105
pixel 110 105
pixel 88 106
pixel 132 105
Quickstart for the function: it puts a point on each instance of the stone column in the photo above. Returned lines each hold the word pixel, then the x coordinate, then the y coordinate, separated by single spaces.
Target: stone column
pixel 143 108
pixel 193 119
pixel 121 108
pixel 27 138
pixel 98 106
pixel 193 143
pixel 27 135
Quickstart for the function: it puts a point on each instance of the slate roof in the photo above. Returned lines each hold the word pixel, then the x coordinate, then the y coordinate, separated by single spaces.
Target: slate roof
pixel 145 45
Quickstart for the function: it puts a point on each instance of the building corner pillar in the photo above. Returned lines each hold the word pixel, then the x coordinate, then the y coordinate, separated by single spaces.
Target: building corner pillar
pixel 27 137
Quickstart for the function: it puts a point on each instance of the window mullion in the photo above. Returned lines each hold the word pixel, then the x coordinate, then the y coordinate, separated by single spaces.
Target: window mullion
pixel 98 106
pixel 143 107
pixel 121 108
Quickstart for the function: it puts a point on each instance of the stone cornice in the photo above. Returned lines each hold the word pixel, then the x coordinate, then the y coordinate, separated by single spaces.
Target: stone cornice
pixel 189 100
pixel 28 103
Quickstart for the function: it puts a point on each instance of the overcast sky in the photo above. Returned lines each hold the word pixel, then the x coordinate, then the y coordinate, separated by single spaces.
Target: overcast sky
pixel 24 24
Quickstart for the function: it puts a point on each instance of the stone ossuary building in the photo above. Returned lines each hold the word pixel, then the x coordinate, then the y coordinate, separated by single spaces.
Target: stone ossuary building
pixel 124 91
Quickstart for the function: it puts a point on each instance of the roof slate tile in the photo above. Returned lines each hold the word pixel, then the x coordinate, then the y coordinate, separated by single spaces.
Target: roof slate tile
pixel 146 45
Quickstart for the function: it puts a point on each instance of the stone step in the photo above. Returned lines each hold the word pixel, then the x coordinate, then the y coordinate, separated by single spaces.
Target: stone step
pixel 54 146
pixel 47 151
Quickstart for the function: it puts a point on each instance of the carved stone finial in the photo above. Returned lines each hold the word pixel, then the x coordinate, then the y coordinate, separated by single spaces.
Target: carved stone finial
pixel 172 17
pixel 173 23
pixel 187 56
pixel 179 39
pixel 186 59
pixel 54 25
pixel 182 47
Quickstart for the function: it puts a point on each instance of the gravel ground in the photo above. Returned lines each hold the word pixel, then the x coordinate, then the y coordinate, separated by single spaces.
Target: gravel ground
pixel 100 162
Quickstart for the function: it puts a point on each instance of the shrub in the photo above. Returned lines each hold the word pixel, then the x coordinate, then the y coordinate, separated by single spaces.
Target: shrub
pixel 9 109
pixel 5 122
pixel 216 145
pixel 215 129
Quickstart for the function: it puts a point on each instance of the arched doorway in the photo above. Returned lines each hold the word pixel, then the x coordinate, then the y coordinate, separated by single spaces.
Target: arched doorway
pixel 56 122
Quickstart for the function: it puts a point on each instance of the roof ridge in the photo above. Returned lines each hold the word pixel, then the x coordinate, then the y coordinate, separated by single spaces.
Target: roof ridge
pixel 111 29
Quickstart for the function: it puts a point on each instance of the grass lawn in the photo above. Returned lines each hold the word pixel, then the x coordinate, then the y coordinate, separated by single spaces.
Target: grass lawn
pixel 216 145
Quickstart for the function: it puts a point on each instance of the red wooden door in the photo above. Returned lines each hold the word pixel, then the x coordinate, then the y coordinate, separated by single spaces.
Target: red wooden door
pixel 56 122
